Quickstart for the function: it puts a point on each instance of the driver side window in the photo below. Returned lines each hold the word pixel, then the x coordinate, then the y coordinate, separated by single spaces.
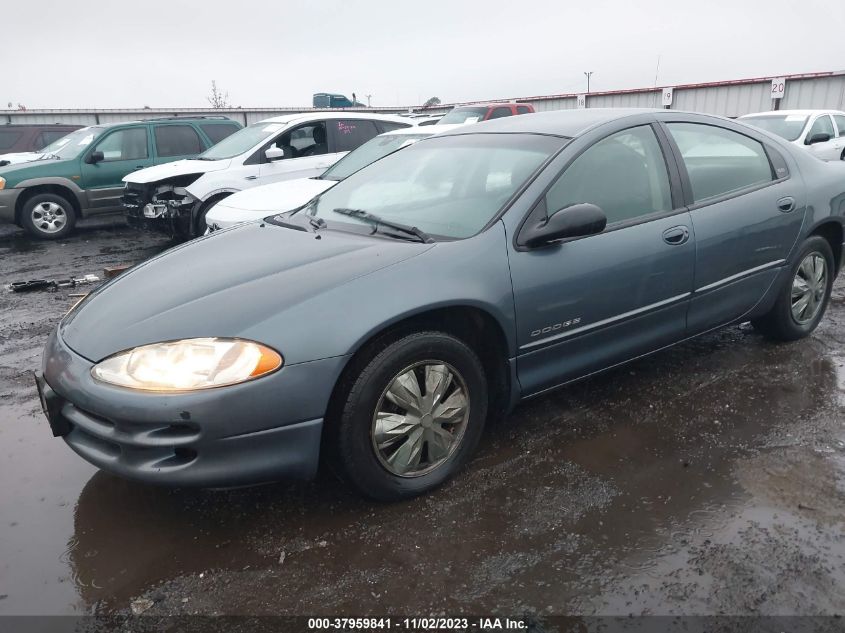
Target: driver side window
pixel 306 140
pixel 624 174
pixel 128 144
pixel 821 125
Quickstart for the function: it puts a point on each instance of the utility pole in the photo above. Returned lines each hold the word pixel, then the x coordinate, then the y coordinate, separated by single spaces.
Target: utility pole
pixel 587 75
pixel 368 100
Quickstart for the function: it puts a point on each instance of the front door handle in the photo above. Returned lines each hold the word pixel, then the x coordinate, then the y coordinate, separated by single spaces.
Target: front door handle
pixel 676 236
pixel 250 177
pixel 786 204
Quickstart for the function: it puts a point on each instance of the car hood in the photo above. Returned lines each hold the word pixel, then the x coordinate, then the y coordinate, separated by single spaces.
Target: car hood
pixel 277 197
pixel 38 169
pixel 224 285
pixel 176 168
pixel 19 157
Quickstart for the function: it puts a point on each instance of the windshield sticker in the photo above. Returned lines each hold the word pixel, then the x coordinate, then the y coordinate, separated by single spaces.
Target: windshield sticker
pixel 471 119
pixel 795 117
pixel 86 141
pixel 273 127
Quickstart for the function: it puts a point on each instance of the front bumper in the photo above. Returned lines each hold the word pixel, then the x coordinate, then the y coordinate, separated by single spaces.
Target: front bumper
pixel 173 216
pixel 263 430
pixel 8 200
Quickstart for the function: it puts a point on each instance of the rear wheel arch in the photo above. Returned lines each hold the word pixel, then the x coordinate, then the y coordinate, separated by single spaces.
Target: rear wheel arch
pixel 833 232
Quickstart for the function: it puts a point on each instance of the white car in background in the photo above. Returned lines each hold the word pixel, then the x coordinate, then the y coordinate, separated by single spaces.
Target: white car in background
pixel 259 202
pixel 175 197
pixel 822 132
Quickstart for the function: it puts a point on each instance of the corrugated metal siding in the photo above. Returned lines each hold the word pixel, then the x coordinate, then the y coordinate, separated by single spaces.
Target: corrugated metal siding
pixel 731 98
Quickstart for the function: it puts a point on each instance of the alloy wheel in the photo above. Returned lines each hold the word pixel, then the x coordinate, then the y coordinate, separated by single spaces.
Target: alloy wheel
pixel 49 217
pixel 420 418
pixel 808 288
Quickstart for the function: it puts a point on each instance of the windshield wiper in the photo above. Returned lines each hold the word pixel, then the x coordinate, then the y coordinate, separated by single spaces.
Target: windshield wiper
pixel 202 158
pixel 422 236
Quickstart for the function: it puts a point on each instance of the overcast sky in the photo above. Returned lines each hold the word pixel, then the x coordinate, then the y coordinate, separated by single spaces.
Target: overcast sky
pixel 115 53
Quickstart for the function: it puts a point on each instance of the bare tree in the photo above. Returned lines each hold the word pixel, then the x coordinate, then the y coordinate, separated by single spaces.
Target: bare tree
pixel 434 101
pixel 218 99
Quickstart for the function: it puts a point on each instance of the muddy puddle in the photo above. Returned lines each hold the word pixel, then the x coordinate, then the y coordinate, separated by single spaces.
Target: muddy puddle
pixel 707 479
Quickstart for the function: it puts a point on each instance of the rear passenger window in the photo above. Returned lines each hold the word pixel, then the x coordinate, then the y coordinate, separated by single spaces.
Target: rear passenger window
pixel 351 133
pixel 624 174
pixel 177 140
pixel 389 126
pixel 498 113
pixel 840 123
pixel 218 131
pixel 523 110
pixel 719 161
pixel 8 138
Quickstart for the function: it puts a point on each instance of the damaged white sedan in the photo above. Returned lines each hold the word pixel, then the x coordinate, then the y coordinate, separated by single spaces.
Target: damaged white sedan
pixel 176 197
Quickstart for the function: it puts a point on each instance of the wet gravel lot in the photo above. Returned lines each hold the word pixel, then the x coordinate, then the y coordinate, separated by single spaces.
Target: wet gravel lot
pixel 708 479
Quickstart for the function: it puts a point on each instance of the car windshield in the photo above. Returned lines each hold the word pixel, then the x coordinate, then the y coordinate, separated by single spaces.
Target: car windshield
pixel 788 126
pixel 463 115
pixel 449 187
pixel 73 144
pixel 242 141
pixel 370 152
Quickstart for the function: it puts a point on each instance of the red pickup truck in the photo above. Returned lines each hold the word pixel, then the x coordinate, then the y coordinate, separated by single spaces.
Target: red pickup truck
pixel 485 111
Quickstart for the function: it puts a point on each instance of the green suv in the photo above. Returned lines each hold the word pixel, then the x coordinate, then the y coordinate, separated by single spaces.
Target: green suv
pixel 81 174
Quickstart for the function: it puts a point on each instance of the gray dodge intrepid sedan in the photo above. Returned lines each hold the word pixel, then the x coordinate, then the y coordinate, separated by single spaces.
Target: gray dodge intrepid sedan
pixel 381 324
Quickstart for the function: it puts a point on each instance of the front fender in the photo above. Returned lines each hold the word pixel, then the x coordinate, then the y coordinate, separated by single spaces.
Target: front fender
pixel 78 192
pixel 467 273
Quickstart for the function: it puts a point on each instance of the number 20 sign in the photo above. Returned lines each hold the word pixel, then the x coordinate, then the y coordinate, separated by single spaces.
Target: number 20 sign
pixel 778 87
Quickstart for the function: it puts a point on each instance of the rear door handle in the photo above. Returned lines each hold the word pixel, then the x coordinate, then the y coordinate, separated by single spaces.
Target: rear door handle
pixel 786 204
pixel 250 177
pixel 676 236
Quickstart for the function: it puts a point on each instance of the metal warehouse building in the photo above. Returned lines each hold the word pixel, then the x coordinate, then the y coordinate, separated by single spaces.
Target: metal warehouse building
pixel 726 98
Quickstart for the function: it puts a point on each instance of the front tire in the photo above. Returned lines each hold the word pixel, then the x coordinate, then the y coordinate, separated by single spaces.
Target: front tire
pixel 802 301
pixel 48 216
pixel 412 417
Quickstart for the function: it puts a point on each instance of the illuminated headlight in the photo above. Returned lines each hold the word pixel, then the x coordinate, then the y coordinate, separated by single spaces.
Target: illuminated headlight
pixel 188 365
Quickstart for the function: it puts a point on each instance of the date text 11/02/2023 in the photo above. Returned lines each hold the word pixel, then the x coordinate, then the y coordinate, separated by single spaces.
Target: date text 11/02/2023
pixel 418 624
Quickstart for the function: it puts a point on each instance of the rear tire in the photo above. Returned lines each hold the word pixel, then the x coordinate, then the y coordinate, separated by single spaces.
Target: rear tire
pixel 48 216
pixel 803 299
pixel 392 447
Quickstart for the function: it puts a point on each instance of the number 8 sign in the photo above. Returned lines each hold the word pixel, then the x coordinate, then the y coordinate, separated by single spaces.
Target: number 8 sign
pixel 778 87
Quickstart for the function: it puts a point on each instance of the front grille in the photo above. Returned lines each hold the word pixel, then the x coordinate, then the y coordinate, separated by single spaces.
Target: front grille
pixel 135 195
pixel 104 439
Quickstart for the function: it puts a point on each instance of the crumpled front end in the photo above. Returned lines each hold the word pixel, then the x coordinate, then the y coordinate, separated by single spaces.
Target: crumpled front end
pixel 164 206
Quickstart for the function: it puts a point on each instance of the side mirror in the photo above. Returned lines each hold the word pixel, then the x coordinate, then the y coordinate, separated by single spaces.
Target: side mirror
pixel 274 153
pixel 819 137
pixel 577 220
pixel 95 157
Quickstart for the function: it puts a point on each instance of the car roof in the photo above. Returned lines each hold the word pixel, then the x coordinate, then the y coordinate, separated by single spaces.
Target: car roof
pixel 565 123
pixel 333 114
pixel 430 130
pixel 792 112
pixel 172 119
